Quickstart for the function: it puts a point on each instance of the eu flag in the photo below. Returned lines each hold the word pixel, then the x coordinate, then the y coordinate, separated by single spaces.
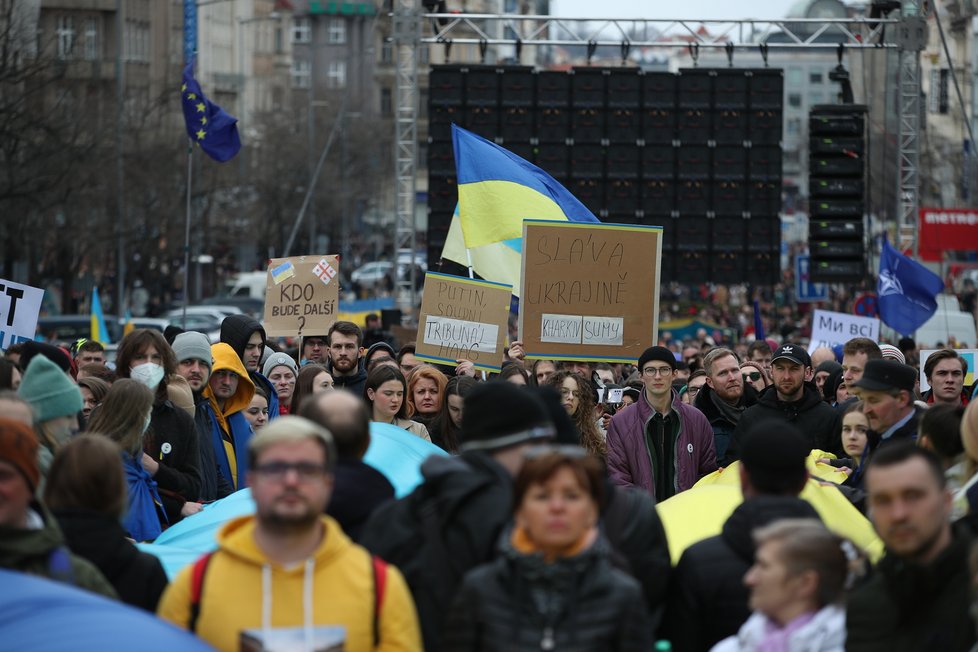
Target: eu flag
pixel 497 190
pixel 907 291
pixel 208 125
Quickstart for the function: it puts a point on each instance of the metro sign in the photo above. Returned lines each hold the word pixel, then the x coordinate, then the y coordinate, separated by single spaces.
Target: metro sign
pixel 946 229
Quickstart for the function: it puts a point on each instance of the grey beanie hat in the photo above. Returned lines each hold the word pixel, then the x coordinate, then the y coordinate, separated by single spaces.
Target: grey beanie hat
pixel 193 346
pixel 279 360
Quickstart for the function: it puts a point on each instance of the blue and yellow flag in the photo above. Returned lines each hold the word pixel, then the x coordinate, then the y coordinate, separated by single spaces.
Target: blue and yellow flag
pixel 128 327
pixel 497 190
pixel 208 125
pixel 99 332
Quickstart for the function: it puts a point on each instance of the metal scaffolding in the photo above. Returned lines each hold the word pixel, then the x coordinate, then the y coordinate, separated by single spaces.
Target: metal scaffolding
pixel 906 34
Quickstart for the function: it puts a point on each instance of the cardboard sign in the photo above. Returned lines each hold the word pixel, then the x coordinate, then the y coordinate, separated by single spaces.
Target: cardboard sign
pixel 831 328
pixel 969 355
pixel 590 291
pixel 302 295
pixel 462 318
pixel 19 308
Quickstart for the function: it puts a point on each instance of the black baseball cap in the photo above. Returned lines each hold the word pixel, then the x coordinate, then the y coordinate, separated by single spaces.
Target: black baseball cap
pixel 882 375
pixel 793 352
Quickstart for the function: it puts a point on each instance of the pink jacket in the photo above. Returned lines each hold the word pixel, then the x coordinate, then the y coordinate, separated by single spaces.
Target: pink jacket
pixel 629 461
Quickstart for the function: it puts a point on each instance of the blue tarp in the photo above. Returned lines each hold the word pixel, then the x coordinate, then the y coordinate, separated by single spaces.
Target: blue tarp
pixel 38 614
pixel 393 451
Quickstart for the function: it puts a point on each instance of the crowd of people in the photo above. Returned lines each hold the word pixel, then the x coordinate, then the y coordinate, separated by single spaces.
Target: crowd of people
pixel 540 526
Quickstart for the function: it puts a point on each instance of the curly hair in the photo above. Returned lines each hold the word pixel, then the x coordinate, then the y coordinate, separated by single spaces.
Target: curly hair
pixel 591 438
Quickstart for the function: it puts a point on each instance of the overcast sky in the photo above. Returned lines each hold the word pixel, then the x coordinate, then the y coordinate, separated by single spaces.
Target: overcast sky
pixel 660 9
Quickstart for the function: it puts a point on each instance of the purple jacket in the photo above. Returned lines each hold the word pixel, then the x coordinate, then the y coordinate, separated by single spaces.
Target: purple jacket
pixel 629 461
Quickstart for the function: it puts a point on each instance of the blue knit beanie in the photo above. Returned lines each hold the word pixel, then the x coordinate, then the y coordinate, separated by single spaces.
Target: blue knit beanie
pixel 49 390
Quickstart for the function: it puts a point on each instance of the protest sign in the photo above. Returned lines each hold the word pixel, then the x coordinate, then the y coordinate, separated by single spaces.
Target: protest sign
pixel 831 328
pixel 969 356
pixel 590 291
pixel 302 295
pixel 463 319
pixel 19 308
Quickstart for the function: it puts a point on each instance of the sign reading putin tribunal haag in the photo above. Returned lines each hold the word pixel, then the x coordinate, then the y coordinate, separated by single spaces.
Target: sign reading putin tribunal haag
pixel 463 319
pixel 590 291
pixel 302 295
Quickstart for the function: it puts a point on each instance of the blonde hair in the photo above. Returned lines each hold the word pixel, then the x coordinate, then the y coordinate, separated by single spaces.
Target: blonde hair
pixel 289 430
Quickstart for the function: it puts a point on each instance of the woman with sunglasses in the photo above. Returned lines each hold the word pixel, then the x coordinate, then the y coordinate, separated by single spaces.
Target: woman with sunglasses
pixel 754 374
pixel 552 587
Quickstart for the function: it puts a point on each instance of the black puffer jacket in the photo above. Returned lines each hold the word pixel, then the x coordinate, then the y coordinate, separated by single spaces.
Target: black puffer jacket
pixel 358 489
pixel 137 577
pixel 707 599
pixel 575 604
pixel 172 441
pixel 908 606
pixel 820 424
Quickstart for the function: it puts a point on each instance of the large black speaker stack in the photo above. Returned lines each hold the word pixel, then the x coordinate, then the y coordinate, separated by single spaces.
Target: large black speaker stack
pixel 698 152
pixel 837 192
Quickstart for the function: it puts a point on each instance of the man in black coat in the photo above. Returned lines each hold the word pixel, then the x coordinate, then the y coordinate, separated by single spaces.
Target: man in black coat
pixel 918 598
pixel 794 400
pixel 887 391
pixel 725 397
pixel 707 599
pixel 358 488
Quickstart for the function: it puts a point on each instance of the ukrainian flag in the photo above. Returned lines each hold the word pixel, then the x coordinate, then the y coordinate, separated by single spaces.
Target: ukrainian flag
pixel 99 332
pixel 497 190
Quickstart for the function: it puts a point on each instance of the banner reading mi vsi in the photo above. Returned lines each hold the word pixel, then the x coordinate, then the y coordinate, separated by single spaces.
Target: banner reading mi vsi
pixel 301 295
pixel 590 291
pixel 463 319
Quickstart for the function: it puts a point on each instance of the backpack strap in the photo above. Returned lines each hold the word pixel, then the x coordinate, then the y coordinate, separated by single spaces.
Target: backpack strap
pixel 59 565
pixel 197 589
pixel 379 568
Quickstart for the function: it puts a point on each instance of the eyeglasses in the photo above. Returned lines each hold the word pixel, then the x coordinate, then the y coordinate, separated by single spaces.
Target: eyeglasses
pixel 278 470
pixel 693 391
pixel 657 371
pixel 754 376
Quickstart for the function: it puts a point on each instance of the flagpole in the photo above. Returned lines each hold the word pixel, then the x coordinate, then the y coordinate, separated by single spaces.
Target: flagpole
pixel 186 235
pixel 468 256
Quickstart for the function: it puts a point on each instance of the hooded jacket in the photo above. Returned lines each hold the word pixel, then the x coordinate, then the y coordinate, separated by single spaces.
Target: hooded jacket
pixel 354 383
pixel 574 604
pixel 230 430
pixel 819 423
pixel 335 586
pixel 137 577
pixel 707 598
pixel 722 421
pixel 236 330
pixel 42 552
pixel 629 459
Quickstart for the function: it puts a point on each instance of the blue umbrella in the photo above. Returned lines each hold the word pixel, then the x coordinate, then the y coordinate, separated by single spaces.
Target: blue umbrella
pixel 393 451
pixel 39 614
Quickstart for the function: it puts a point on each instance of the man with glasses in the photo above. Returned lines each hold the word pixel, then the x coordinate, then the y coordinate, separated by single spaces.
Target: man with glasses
pixel 289 567
pixel 659 443
pixel 725 396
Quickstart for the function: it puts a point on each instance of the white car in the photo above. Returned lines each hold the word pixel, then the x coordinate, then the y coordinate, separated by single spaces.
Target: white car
pixel 372 273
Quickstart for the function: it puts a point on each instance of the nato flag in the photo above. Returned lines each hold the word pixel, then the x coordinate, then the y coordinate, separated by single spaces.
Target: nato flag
pixel 907 291
pixel 208 125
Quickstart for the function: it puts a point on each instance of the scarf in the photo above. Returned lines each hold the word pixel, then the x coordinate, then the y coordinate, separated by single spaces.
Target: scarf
pixel 142 519
pixel 522 543
pixel 730 413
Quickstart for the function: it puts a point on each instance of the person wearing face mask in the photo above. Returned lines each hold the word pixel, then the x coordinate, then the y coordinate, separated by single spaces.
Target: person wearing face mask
pixel 171 454
pixel 56 402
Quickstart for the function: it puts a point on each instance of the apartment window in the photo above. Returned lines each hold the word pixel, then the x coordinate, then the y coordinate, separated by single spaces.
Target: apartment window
pixel 336 75
pixel 91 39
pixel 794 100
pixel 279 41
pixel 815 97
pixel 793 126
pixel 794 77
pixel 301 30
pixel 66 37
pixel 424 54
pixel 301 73
pixel 387 51
pixel 815 77
pixel 336 33
pixel 386 102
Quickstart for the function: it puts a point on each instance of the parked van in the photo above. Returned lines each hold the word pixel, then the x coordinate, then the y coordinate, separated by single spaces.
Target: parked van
pixel 949 321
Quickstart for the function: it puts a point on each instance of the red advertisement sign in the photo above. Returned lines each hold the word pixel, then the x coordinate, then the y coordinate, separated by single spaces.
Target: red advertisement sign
pixel 947 229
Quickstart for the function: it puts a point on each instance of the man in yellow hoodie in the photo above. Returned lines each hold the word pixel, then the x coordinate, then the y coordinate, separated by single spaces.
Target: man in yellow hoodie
pixel 289 569
pixel 229 392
